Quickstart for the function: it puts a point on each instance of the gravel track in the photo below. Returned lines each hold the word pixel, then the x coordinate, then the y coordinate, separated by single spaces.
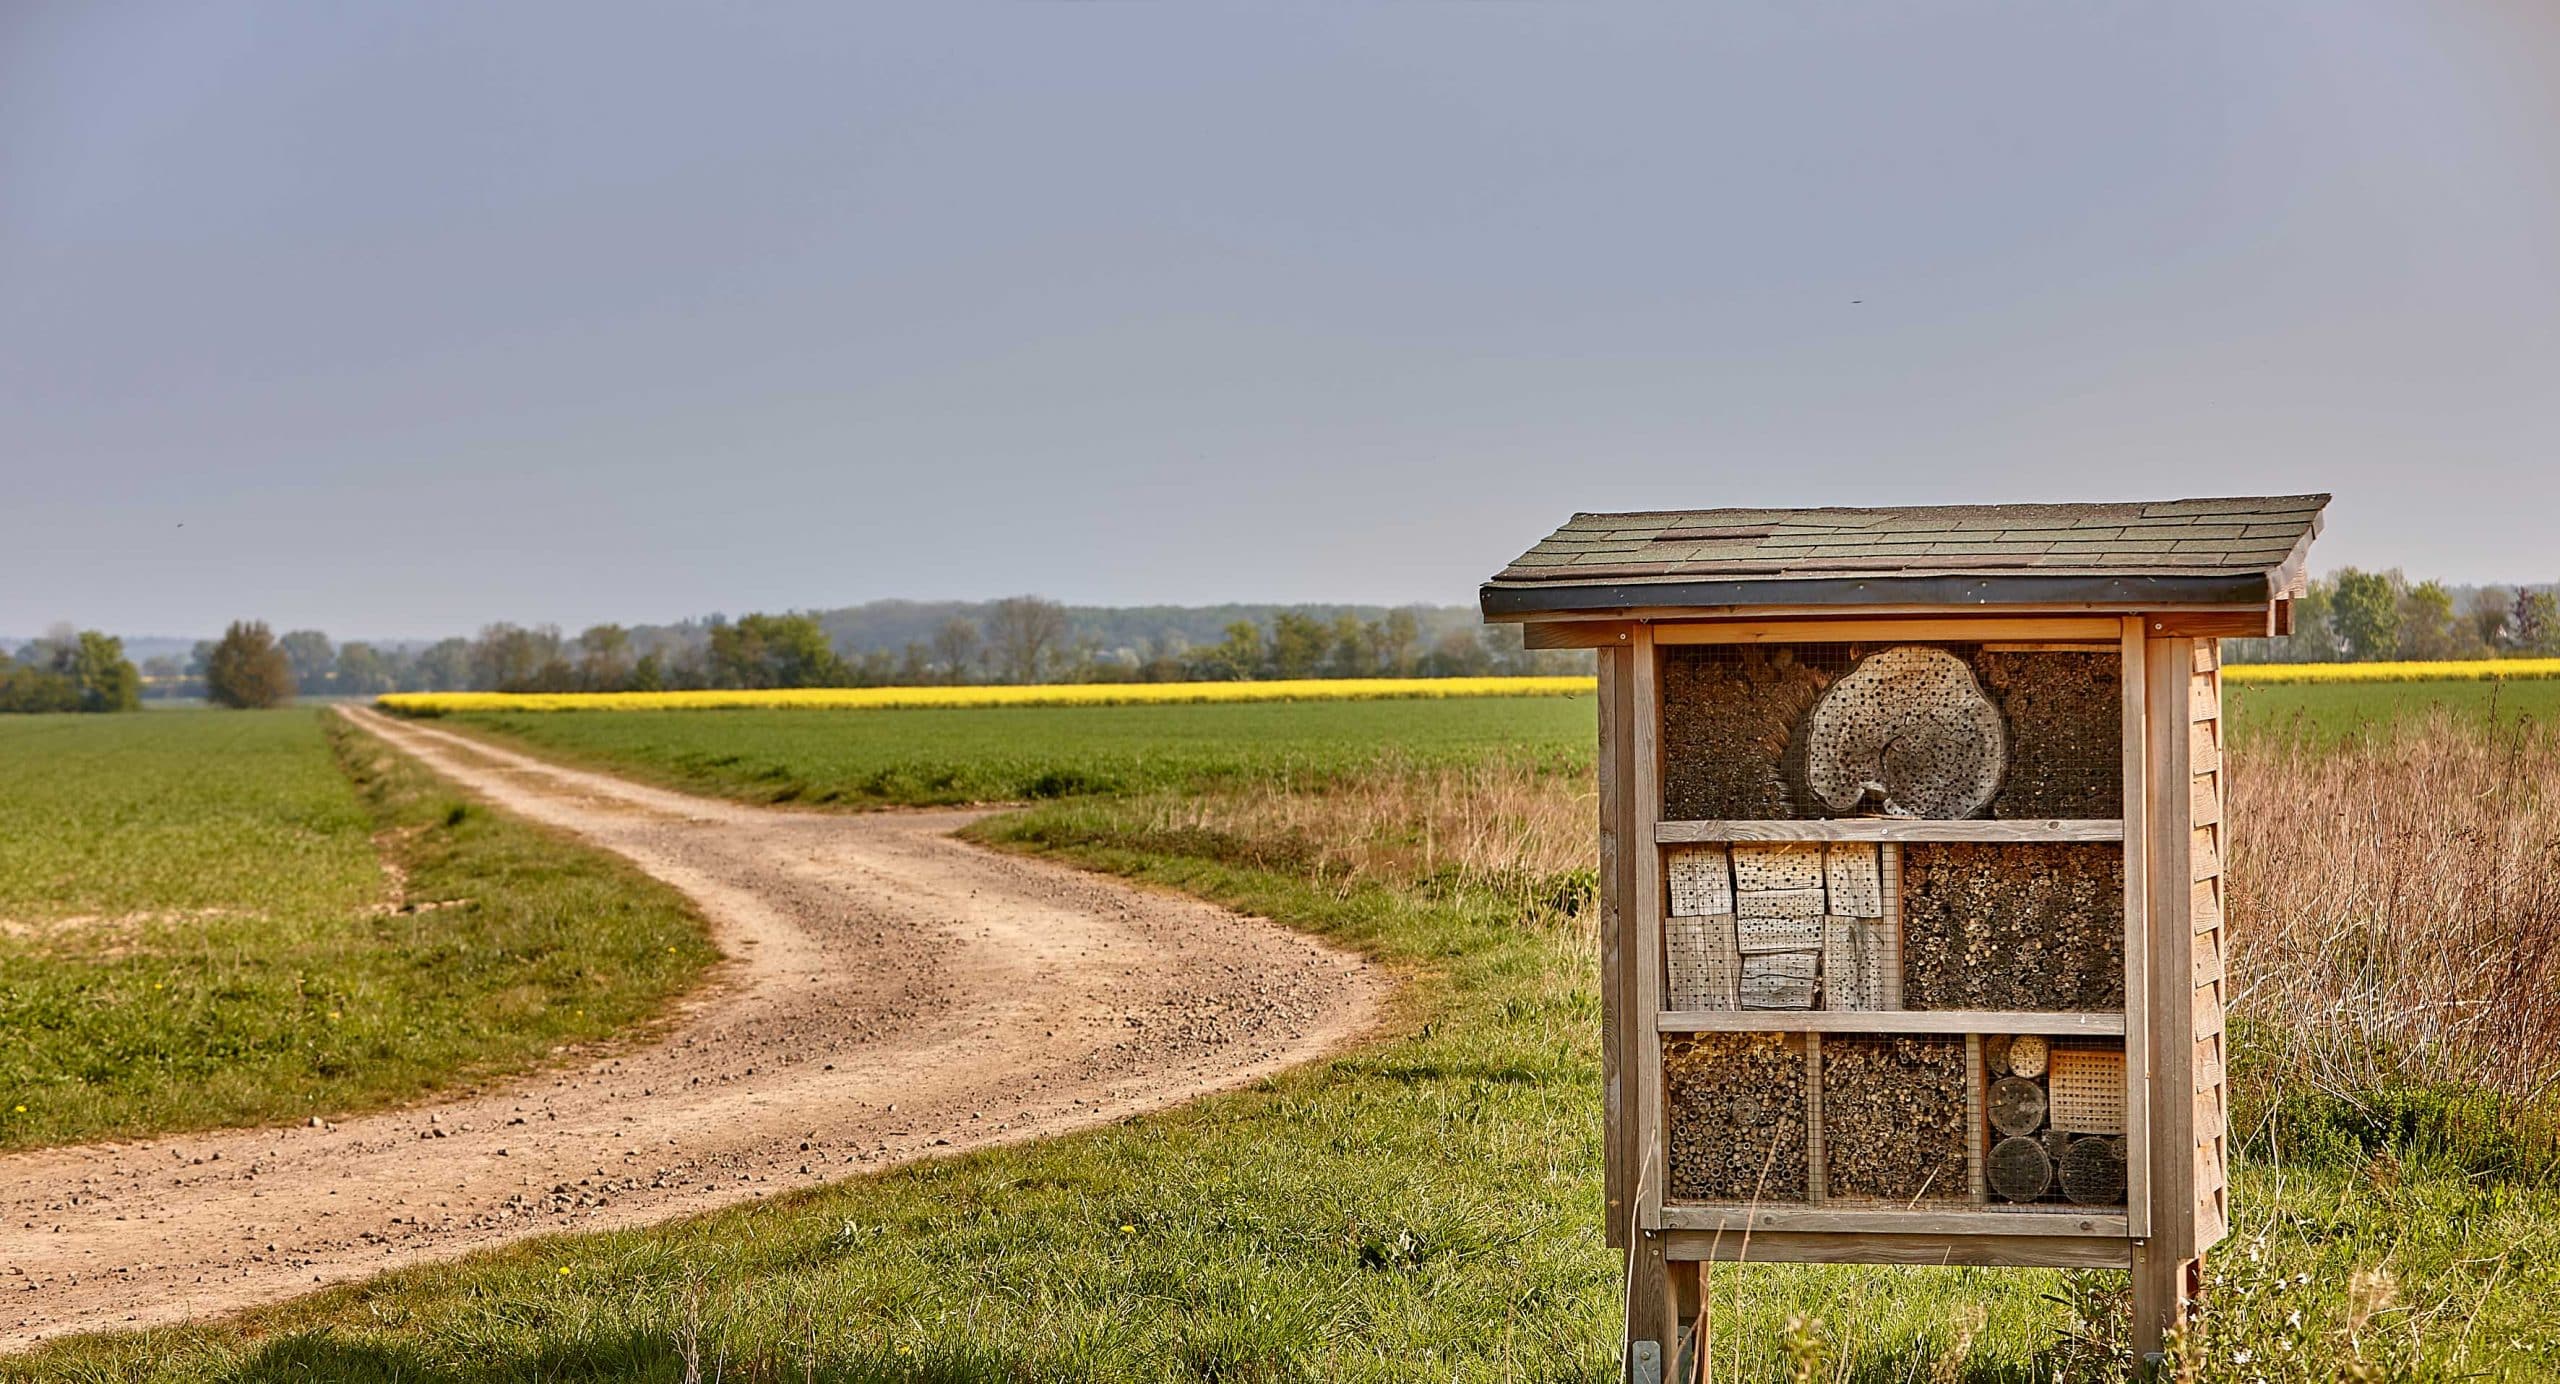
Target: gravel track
pixel 889 994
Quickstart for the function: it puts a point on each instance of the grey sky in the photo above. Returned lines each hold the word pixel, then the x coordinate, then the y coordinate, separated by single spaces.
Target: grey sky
pixel 417 317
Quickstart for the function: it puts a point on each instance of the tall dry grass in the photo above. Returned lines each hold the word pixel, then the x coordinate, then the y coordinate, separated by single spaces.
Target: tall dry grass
pixel 2395 905
pixel 1502 822
pixel 2395 909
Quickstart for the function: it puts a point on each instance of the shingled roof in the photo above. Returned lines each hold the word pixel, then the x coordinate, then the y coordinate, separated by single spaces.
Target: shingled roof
pixel 2139 555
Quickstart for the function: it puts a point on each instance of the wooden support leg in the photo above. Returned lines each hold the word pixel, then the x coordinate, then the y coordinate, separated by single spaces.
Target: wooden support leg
pixel 1686 1290
pixel 1652 1324
pixel 2162 1292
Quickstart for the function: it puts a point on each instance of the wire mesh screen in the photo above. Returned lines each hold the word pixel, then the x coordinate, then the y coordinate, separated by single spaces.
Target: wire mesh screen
pixel 2013 926
pixel 1922 730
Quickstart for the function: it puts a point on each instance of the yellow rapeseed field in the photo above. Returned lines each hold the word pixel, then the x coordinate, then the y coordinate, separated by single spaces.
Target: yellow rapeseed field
pixel 2462 670
pixel 1058 694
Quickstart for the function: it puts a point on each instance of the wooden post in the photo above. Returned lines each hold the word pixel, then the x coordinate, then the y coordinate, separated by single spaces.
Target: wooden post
pixel 2161 1263
pixel 1652 1312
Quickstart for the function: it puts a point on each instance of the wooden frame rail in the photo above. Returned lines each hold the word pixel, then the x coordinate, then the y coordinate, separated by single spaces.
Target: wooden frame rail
pixel 1947 1021
pixel 1898 829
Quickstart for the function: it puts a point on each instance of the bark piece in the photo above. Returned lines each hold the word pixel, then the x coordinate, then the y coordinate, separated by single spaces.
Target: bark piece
pixel 1730 718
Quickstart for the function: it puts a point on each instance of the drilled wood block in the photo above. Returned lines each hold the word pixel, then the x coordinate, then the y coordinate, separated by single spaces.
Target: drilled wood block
pixel 1856 956
pixel 1759 867
pixel 1705 966
pixel 2087 1091
pixel 1780 980
pixel 1853 872
pixel 1778 934
pixel 1701 881
pixel 1779 903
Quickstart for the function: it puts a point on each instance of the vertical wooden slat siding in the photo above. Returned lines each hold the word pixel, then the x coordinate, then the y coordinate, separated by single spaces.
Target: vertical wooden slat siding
pixel 1615 1024
pixel 2211 1131
pixel 1651 1313
pixel 2178 747
pixel 2133 650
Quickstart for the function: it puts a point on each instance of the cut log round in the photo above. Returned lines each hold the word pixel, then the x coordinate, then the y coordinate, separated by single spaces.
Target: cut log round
pixel 2093 1172
pixel 2017 1106
pixel 1910 730
pixel 2019 1169
pixel 2027 1053
pixel 1995 1055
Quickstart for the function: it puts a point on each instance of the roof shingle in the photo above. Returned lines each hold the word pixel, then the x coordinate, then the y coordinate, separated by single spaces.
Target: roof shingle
pixel 2206 551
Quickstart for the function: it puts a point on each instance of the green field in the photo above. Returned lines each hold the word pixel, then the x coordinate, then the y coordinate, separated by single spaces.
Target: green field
pixel 2329 711
pixel 197 928
pixel 1018 754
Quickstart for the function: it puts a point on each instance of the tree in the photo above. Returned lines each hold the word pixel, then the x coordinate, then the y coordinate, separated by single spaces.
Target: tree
pixel 1022 631
pixel 512 658
pixel 604 657
pixel 1391 643
pixel 1350 656
pixel 362 671
pixel 2536 624
pixel 444 666
pixel 312 657
pixel 2487 612
pixel 762 651
pixel 649 674
pixel 247 668
pixel 1235 658
pixel 2365 610
pixel 2426 621
pixel 106 679
pixel 1297 644
pixel 955 648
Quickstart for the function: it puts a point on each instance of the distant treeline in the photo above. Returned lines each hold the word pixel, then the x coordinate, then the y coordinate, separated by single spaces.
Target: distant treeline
pixel 1024 639
pixel 2355 616
pixel 69 671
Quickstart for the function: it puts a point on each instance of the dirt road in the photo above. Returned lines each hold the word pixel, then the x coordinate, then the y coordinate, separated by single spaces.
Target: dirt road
pixel 891 994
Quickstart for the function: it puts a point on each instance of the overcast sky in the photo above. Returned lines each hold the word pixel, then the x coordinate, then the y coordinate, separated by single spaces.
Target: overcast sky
pixel 395 320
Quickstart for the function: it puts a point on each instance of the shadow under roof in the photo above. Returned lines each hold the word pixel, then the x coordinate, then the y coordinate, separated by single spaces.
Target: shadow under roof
pixel 2246 550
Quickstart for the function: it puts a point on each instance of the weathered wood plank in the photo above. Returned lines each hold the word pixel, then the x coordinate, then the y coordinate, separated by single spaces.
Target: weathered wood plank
pixel 1619 1028
pixel 1577 634
pixel 1953 1021
pixel 1888 829
pixel 1941 1218
pixel 1988 1251
pixel 2055 628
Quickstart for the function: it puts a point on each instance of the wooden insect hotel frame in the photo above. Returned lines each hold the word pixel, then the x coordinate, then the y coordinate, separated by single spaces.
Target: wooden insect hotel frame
pixel 1911 840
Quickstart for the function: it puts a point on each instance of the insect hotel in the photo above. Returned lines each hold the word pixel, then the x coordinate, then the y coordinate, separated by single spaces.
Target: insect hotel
pixel 1912 835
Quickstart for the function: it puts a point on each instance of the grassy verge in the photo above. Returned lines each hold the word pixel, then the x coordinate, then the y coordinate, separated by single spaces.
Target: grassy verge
pixel 200 928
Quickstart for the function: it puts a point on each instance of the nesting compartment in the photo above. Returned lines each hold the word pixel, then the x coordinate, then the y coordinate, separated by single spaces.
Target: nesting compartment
pixel 2035 927
pixel 1738 728
pixel 1893 1118
pixel 1737 1117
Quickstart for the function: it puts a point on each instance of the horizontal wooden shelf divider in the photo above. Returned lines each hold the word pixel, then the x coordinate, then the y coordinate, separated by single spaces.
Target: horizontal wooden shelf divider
pixel 2074 1024
pixel 1891 829
pixel 1925 1219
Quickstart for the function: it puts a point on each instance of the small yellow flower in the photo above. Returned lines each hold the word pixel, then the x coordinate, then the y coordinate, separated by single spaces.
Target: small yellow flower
pixel 22 1110
pixel 564 1269
pixel 1128 1230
